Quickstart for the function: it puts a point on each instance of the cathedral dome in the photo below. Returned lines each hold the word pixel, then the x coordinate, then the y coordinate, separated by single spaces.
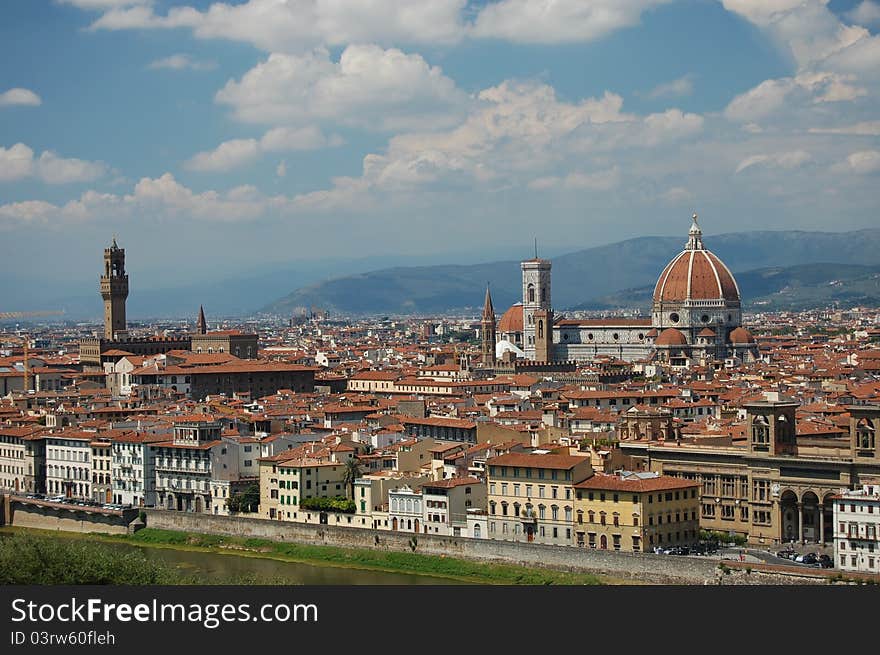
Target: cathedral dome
pixel 671 337
pixel 512 320
pixel 696 274
pixel 741 335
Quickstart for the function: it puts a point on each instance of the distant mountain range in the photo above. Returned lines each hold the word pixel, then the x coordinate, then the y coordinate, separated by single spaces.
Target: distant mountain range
pixel 792 288
pixel 778 269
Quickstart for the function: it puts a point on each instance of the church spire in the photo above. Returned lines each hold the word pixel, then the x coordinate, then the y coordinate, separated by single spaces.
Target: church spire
pixel 201 325
pixel 488 309
pixel 695 236
pixel 487 331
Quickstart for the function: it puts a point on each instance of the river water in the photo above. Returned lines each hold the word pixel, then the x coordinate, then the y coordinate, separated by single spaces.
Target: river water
pixel 221 567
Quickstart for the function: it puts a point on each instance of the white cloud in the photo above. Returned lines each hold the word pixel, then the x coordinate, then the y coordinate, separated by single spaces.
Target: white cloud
pixel 19 96
pixel 239 152
pixel 865 128
pixel 53 169
pixel 18 162
pixel 557 21
pixel 281 169
pixel 368 87
pixel 181 62
pixel 866 13
pixel 670 125
pixel 786 160
pixel 789 93
pixel 756 103
pixel 299 25
pixel 863 162
pixel 683 86
pixel 226 156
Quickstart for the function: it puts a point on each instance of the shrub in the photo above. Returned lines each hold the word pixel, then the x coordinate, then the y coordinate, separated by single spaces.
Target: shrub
pixel 332 504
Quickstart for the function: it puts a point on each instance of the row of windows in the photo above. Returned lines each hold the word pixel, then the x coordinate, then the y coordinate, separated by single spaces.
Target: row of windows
pixel 517 488
pixel 9 453
pixel 525 472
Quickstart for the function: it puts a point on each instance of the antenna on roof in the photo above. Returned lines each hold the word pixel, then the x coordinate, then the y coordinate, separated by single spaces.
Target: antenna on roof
pixel 536 247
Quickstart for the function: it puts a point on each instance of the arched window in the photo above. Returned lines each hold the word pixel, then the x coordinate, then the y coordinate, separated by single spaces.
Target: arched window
pixel 580 516
pixel 516 509
pixel 531 293
pixel 542 511
pixel 602 518
pixel 554 513
pixel 540 329
pixel 865 435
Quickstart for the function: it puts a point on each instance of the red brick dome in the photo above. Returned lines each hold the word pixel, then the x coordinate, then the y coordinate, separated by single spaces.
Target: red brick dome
pixel 741 335
pixel 671 337
pixel 512 320
pixel 696 274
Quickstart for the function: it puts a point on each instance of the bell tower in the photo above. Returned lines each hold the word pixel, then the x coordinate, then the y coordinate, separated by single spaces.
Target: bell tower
pixel 536 297
pixel 114 291
pixel 487 331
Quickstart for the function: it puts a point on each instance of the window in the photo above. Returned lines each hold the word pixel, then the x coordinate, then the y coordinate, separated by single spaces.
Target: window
pixel 541 512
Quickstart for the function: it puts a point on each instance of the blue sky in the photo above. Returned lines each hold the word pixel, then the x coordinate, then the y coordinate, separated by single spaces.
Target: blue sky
pixel 218 139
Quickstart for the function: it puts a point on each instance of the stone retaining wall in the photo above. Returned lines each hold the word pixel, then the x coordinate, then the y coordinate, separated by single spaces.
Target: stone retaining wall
pixel 634 566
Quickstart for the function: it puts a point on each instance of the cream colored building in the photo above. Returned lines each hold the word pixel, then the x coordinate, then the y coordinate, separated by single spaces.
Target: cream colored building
pixel 531 496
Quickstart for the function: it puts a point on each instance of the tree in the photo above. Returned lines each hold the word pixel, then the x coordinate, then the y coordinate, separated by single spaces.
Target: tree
pixel 351 473
pixel 244 501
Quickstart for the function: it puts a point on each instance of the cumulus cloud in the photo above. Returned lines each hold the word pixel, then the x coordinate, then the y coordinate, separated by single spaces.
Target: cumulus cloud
pixel 299 25
pixel 557 21
pixel 18 162
pixel 239 152
pixel 368 87
pixel 683 86
pixel 517 135
pixel 180 62
pixel 786 160
pixel 770 96
pixel 863 162
pixel 155 198
pixel 19 97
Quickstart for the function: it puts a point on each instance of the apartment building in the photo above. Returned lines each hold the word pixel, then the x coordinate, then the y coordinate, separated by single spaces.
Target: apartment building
pixel 636 512
pixel 531 496
pixel 857 529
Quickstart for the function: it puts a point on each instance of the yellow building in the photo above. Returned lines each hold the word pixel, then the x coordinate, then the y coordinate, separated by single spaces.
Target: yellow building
pixel 636 512
pixel 285 480
pixel 531 496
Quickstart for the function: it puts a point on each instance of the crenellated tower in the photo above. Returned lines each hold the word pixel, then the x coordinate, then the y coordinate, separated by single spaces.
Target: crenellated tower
pixel 114 291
